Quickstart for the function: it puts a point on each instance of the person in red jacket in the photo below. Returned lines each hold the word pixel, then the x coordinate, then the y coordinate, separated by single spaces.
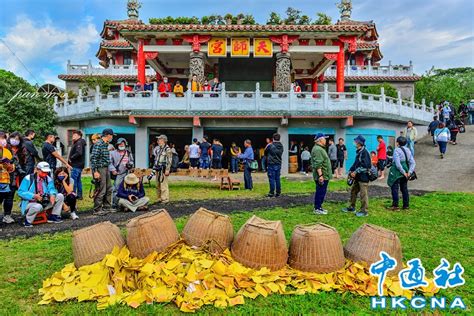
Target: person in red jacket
pixel 206 86
pixel 164 87
pixel 381 156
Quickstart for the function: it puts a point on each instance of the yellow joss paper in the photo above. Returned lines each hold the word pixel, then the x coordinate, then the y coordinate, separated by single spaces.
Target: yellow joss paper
pixel 191 277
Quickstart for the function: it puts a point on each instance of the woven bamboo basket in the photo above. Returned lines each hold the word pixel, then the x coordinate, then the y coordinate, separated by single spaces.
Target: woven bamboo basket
pixel 316 248
pixel 91 244
pixel 367 242
pixel 261 243
pixel 292 167
pixel 150 232
pixel 205 226
pixel 293 159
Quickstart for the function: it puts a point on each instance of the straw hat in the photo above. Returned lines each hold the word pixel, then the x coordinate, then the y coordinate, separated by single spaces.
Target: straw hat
pixel 131 179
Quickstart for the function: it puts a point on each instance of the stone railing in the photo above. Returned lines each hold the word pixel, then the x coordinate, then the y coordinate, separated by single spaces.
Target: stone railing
pixel 114 70
pixel 369 70
pixel 243 103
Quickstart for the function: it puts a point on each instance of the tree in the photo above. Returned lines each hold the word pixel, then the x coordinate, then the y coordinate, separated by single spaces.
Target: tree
pixel 104 83
pixel 323 19
pixel 274 19
pixel 22 107
pixel 304 20
pixel 293 16
pixel 455 85
pixel 390 91
pixel 248 20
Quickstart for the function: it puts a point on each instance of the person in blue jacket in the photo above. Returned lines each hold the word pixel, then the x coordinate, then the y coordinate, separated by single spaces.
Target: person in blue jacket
pixel 131 194
pixel 247 156
pixel 37 193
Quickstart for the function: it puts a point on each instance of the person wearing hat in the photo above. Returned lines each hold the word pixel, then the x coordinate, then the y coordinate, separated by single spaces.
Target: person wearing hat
pixel 100 161
pixel 359 172
pixel 322 172
pixel 50 154
pixel 121 162
pixel 403 166
pixel 162 166
pixel 37 193
pixel 131 194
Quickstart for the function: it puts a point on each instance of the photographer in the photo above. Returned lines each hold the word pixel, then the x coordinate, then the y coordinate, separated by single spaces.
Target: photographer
pixel 131 194
pixel 100 161
pixel 32 153
pixel 7 168
pixel 121 161
pixel 37 193
pixel 64 184
pixel 50 154
pixel 162 166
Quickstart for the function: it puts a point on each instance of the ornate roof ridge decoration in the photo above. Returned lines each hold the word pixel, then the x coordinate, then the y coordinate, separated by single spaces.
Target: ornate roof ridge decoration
pixel 119 43
pixel 236 27
pixel 354 22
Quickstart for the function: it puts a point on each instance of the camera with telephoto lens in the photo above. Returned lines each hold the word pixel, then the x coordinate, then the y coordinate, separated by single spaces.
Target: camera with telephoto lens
pixel 151 175
pixel 45 199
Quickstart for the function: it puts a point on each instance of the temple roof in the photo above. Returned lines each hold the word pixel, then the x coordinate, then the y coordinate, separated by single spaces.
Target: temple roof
pixel 117 78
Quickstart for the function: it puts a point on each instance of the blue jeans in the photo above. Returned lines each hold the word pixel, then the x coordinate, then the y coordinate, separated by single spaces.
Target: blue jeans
pixel 248 177
pixel 273 172
pixel 204 162
pixel 411 146
pixel 442 147
pixel 320 194
pixel 76 176
pixel 264 163
pixel 234 164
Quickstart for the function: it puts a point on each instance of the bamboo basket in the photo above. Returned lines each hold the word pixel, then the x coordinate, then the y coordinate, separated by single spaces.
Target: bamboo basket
pixel 367 242
pixel 91 244
pixel 261 243
pixel 205 226
pixel 293 167
pixel 150 232
pixel 293 159
pixel 316 248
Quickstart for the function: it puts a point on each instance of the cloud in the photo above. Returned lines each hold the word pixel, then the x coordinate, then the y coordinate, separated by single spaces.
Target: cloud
pixel 42 46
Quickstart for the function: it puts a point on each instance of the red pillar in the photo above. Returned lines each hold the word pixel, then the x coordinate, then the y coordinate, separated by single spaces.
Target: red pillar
pixel 141 62
pixel 314 86
pixel 340 69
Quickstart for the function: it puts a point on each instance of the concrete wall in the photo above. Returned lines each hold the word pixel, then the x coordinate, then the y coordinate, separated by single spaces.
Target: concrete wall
pixel 407 89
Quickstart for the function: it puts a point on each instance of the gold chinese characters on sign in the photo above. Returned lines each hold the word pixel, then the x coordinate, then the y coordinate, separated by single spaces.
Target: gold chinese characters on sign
pixel 217 47
pixel 262 47
pixel 240 47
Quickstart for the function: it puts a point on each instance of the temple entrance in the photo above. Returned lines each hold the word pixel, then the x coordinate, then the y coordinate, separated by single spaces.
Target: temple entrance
pixel 241 74
pixel 229 135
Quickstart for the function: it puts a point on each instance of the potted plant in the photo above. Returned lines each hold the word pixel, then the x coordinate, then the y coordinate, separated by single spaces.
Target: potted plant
pixel 228 19
pixel 240 18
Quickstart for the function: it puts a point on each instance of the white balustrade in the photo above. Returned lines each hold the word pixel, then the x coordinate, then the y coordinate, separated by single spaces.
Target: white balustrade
pixel 117 70
pixel 369 70
pixel 250 103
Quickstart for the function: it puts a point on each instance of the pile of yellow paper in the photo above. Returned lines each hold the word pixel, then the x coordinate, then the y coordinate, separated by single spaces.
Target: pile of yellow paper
pixel 193 277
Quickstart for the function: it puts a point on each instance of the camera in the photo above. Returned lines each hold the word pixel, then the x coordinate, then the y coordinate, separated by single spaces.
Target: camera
pixel 152 174
pixel 45 199
pixel 129 166
pixel 95 182
pixel 350 181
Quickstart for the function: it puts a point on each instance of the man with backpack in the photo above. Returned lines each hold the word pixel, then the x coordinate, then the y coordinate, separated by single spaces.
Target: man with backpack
pixel 273 153
pixel 359 175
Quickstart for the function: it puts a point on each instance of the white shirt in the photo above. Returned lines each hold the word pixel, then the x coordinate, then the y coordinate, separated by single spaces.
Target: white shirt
pixel 194 151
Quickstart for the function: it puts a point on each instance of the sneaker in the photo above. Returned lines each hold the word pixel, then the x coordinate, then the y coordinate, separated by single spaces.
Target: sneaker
pixel 111 210
pixel 393 208
pixel 277 195
pixel 74 216
pixel 270 195
pixel 8 219
pixel 320 211
pixel 362 214
pixel 27 224
pixel 55 219
pixel 348 210
pixel 406 208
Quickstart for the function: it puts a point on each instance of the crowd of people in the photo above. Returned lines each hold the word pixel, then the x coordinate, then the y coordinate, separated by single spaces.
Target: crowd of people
pixel 165 87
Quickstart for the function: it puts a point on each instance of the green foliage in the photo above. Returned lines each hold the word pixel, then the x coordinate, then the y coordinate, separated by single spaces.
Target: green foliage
pixel 22 107
pixel 293 16
pixel 177 20
pixel 390 91
pixel 455 85
pixel 274 19
pixel 248 20
pixel 323 19
pixel 104 83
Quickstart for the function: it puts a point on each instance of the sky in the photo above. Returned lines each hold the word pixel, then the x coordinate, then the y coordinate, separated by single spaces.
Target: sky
pixel 44 34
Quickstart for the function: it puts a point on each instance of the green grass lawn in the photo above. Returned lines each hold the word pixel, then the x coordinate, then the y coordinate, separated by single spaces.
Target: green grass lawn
pixel 438 225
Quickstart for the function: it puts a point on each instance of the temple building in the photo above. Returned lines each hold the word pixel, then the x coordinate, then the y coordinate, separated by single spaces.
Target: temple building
pixel 258 67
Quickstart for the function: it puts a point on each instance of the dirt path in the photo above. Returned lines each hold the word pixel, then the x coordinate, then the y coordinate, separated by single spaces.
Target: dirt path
pixel 183 208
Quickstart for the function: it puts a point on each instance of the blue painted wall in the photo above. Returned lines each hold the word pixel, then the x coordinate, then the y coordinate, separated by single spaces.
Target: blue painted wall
pixel 117 129
pixel 371 143
pixel 310 130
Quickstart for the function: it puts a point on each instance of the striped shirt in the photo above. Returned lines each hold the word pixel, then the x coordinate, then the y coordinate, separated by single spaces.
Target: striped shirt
pixel 100 156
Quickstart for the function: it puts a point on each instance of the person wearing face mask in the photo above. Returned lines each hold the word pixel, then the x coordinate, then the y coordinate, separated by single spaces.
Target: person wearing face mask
pixel 100 161
pixel 164 87
pixel 32 153
pixel 6 173
pixel 121 162
pixel 15 145
pixel 64 184
pixel 37 193
pixel 50 154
